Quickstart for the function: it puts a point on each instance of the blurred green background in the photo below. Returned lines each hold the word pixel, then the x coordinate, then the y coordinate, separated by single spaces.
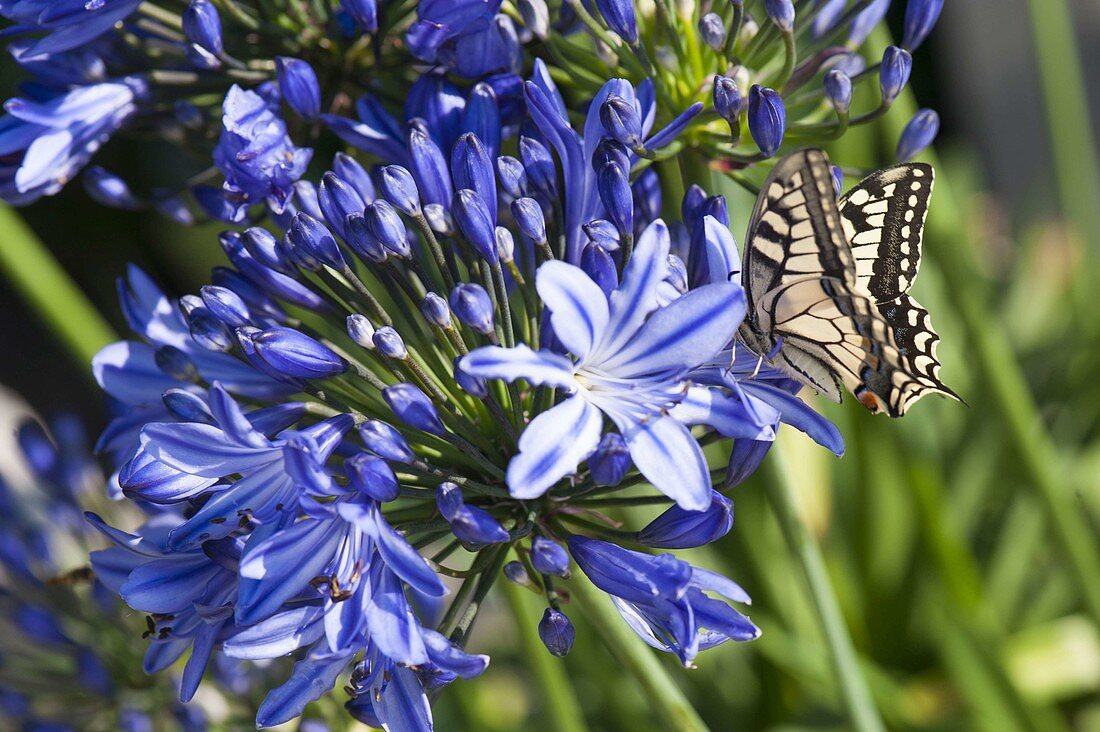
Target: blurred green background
pixel 961 541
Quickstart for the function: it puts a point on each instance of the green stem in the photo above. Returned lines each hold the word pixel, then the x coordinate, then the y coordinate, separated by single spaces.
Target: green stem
pixel 47 288
pixel 561 702
pixel 658 687
pixel 862 713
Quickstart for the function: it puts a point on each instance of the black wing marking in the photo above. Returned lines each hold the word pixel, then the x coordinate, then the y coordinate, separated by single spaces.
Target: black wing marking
pixel 883 217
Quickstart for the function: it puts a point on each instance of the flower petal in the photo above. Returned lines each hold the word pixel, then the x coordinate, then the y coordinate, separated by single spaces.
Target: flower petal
pixel 277 636
pixel 578 307
pixel 636 297
pixel 537 367
pixel 725 413
pixel 669 457
pixel 798 414
pixel 553 445
pixel 201 449
pixel 312 676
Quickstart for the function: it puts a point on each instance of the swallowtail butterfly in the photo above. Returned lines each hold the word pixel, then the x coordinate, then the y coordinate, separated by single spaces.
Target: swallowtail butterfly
pixel 827 280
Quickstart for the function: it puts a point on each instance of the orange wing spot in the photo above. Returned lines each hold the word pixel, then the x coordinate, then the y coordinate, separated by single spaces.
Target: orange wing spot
pixel 870 400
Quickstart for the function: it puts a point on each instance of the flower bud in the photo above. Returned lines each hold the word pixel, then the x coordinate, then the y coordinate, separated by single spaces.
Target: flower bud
pixel 516 573
pixel 293 353
pixel 621 121
pixel 713 31
pixel 475 386
pixel 435 310
pixel 203 26
pixel 920 18
pixel 506 244
pixel 549 557
pixel 470 525
pixel 680 529
pixel 473 219
pixel 185 406
pixel 536 17
pixel 918 134
pixel 176 364
pixel 226 305
pixel 388 228
pixel 358 235
pixel 677 275
pixel 610 461
pixel 208 331
pixel 529 217
pixel 600 267
pixel 512 177
pixel 108 189
pixel 556 632
pixel 602 232
pixel 473 307
pixel 352 172
pixel 828 13
pixel 692 206
pixel 866 21
pixel 338 200
pixel 267 250
pixel 767 119
pixel 838 90
pixel 481 118
pixel 429 168
pixel 383 440
pixel 413 407
pixel 838 179
pixel 371 476
pixel 390 344
pixel 745 458
pixel 619 16
pixel 363 12
pixel 399 188
pixel 542 172
pixel 311 241
pixel 894 72
pixel 472 169
pixel 613 185
pixel 299 87
pixel 781 13
pixel 728 101
pixel 448 499
pixel 360 330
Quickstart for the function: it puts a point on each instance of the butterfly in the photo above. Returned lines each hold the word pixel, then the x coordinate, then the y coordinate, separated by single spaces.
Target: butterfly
pixel 827 282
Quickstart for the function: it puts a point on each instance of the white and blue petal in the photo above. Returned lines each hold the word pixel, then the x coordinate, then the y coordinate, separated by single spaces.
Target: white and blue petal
pixel 552 446
pixel 665 452
pixel 578 307
pixel 510 364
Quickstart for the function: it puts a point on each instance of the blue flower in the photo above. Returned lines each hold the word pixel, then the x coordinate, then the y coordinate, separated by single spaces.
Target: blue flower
pixel 44 144
pixel 664 599
pixel 68 23
pixel 631 361
pixel 469 36
pixel 256 156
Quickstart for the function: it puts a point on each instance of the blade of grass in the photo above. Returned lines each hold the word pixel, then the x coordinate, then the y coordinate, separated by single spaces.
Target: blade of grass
pixel 49 290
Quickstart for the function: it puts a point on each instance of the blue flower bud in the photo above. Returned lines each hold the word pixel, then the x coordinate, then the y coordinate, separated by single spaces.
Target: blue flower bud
pixel 542 172
pixel 619 16
pixel 549 557
pixel 108 189
pixel 646 192
pixel 677 274
pixel 349 170
pixel 536 17
pixel 838 179
pixel 529 217
pixel 388 228
pixel 866 21
pixel 713 31
pixel 838 90
pixel 208 331
pixel 203 26
pixel 448 499
pixel 475 528
pixel 745 458
pixel 390 344
pixel 482 118
pixel 781 13
pixel 371 476
pixel 474 221
pixel 413 407
pixel 188 115
pixel 176 364
pixel 364 12
pixel 435 310
pixel 621 121
pixel 511 176
pixel 359 237
pixel 383 440
pixel 692 206
pixel 299 87
pixel 728 101
pixel 475 386
pixel 680 529
pixel 556 632
pixel 472 168
pixel 828 13
pixel 473 307
pixel 506 244
pixel 226 305
pixel 360 330
pixel 516 573
pixel 294 354
pixel 767 119
pixel 613 185
pixel 311 241
pixel 267 250
pixel 609 151
pixel 600 267
pixel 429 168
pixel 338 200
pixel 399 188
pixel 918 134
pixel 610 461
pixel 920 17
pixel 186 406
pixel 603 233
pixel 894 72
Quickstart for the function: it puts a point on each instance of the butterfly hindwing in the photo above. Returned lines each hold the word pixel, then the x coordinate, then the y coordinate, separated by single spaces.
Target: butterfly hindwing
pixel 883 217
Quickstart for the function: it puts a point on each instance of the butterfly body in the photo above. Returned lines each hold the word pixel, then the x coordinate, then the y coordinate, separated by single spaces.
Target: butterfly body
pixel 827 280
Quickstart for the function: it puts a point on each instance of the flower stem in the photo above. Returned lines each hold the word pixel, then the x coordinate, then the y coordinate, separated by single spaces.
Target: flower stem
pixel 853 686
pixel 658 687
pixel 561 702
pixel 31 268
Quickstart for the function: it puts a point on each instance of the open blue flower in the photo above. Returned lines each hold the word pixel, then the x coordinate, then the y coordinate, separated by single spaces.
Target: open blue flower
pixel 664 599
pixel 631 363
pixel 68 23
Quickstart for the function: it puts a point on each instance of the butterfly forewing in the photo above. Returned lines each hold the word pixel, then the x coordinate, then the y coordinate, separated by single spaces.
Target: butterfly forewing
pixel 883 218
